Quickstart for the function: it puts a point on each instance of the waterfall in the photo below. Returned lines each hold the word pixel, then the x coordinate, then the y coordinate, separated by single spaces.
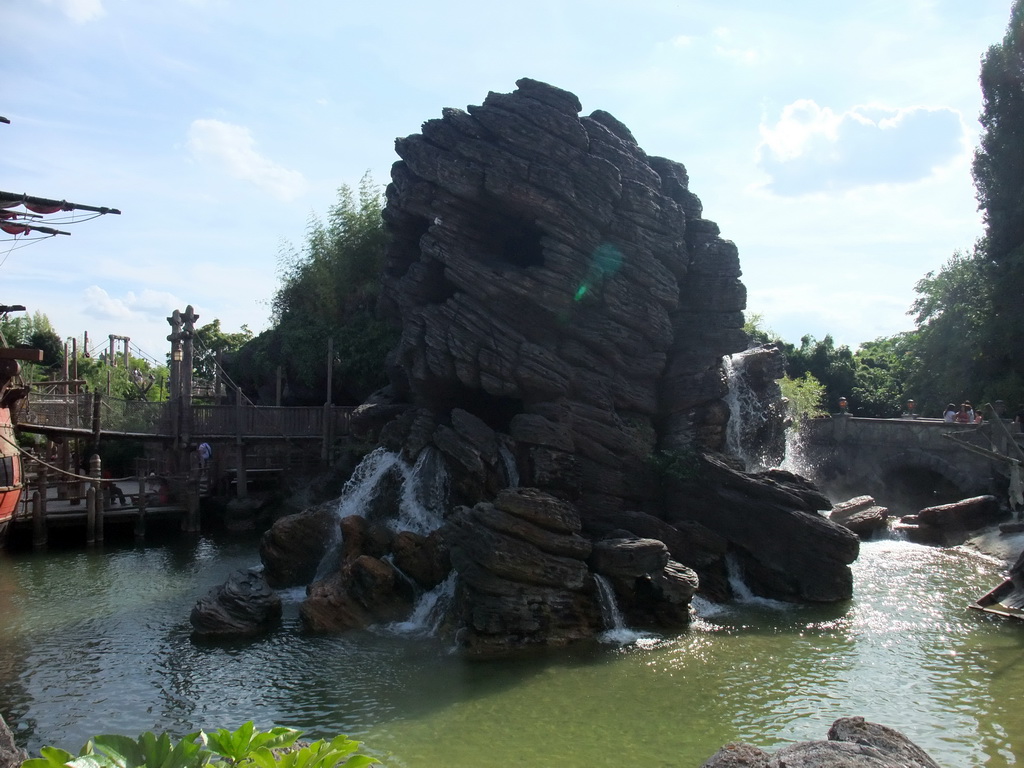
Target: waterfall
pixel 508 463
pixel 616 632
pixel 361 487
pixel 422 498
pixel 746 413
pixel 424 489
pixel 742 592
pixel 424 493
pixel 429 612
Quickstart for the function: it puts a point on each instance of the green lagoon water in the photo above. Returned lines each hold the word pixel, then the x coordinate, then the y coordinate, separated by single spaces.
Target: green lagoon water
pixel 94 642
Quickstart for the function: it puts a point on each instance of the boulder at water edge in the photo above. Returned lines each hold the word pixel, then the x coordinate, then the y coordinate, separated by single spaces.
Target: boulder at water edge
pixel 852 743
pixel 293 547
pixel 11 756
pixel 861 515
pixel 243 605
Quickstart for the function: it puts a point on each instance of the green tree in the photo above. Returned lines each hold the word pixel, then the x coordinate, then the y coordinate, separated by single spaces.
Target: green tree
pixel 211 340
pixel 833 367
pixel 999 179
pixel 328 291
pixel 881 378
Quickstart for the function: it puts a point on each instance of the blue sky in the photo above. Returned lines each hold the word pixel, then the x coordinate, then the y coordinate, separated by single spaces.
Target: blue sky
pixel 830 141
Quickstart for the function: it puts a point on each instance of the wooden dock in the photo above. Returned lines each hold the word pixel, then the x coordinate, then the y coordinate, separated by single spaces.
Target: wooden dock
pixel 91 507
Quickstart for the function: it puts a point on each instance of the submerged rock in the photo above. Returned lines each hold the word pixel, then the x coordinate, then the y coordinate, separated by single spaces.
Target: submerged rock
pixel 243 605
pixel 852 743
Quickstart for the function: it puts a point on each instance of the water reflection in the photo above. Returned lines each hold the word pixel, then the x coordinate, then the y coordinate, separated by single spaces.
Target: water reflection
pixel 98 642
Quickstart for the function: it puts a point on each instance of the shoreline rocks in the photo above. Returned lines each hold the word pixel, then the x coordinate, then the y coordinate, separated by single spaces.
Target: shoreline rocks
pixel 853 742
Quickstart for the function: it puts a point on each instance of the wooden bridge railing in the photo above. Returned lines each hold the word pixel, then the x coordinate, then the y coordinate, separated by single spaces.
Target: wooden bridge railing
pixel 89 413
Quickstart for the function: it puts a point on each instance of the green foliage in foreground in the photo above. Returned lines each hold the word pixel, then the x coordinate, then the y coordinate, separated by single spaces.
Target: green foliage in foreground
pixel 245 748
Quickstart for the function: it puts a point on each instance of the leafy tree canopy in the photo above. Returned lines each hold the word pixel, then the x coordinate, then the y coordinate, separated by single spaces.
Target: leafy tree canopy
pixel 328 291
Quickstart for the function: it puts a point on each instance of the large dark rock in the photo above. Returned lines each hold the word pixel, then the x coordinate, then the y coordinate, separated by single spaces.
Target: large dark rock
pixel 965 515
pixel 950 524
pixel 522 572
pixel 558 284
pixel 852 743
pixel 790 552
pixel 292 548
pixel 244 605
pixel 564 310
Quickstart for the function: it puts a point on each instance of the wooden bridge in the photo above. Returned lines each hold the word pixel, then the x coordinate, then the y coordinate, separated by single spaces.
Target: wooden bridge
pixel 93 415
pixel 253 445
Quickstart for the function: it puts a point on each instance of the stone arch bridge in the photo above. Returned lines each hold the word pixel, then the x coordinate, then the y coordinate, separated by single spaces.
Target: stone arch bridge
pixel 908 463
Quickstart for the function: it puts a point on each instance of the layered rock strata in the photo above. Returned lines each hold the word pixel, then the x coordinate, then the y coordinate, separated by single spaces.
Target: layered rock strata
pixel 565 309
pixel 556 281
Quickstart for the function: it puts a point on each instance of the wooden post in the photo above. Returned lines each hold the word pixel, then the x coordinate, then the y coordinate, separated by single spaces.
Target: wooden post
pixel 191 522
pixel 241 481
pixel 90 516
pixel 41 481
pixel 325 447
pixel 187 357
pixel 218 377
pixel 97 420
pixel 98 499
pixel 38 521
pixel 280 386
pixel 140 521
pixel 74 360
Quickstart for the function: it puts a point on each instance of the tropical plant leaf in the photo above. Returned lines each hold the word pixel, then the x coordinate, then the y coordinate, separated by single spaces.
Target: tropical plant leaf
pixel 50 757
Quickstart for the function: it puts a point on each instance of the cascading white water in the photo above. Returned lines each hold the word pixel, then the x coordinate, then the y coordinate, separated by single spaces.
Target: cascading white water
pixel 742 592
pixel 424 489
pixel 361 487
pixel 422 498
pixel 616 632
pixel 424 493
pixel 508 463
pixel 429 612
pixel 744 410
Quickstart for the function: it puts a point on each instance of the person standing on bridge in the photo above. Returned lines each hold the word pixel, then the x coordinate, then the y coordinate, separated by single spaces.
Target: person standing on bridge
pixel 205 452
pixel 950 413
pixel 965 415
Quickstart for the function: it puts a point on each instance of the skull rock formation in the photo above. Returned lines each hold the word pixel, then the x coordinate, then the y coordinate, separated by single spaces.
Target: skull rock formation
pixel 565 309
pixel 560 284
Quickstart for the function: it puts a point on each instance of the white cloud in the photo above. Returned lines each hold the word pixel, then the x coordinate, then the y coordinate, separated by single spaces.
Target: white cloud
pixel 813 149
pixel 102 306
pixel 79 11
pixel 233 148
pixel 726 48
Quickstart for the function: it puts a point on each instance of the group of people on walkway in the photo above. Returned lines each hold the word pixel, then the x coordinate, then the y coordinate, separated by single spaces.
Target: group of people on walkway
pixel 965 414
